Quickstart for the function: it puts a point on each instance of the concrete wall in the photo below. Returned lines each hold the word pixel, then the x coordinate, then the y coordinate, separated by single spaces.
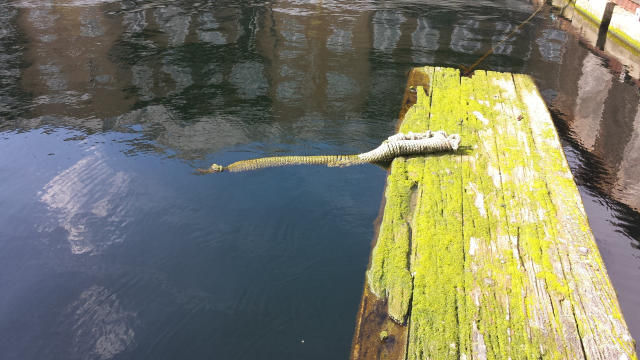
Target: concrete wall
pixel 624 24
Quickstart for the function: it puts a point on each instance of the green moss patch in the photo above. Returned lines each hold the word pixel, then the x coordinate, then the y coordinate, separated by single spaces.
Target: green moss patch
pixel 475 248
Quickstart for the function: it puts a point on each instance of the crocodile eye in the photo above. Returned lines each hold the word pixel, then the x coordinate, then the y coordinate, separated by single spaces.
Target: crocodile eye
pixel 413 90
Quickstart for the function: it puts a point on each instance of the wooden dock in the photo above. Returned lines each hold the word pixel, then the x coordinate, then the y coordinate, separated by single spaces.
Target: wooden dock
pixel 486 253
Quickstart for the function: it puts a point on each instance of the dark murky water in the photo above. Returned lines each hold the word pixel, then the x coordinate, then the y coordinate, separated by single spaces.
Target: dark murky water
pixel 110 248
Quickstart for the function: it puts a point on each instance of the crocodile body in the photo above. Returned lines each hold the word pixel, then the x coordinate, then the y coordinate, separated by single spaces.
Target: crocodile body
pixel 396 145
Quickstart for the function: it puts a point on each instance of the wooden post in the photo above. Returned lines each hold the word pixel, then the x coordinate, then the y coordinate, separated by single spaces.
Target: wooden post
pixel 486 253
pixel 604 24
pixel 623 22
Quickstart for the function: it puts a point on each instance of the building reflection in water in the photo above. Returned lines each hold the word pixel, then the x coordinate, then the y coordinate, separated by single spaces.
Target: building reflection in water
pixel 599 108
pixel 92 63
pixel 12 98
pixel 190 74
pixel 465 37
pixel 552 45
pixel 100 65
pixel 70 74
pixel 593 90
pixel 627 184
pixel 318 71
pixel 425 41
pixel 386 29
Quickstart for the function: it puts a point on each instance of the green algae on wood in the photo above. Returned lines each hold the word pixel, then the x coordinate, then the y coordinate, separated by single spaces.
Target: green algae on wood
pixel 389 272
pixel 492 242
pixel 437 232
pixel 372 315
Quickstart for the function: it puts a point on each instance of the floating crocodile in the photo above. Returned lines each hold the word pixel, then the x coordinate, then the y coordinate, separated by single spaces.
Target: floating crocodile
pixel 396 145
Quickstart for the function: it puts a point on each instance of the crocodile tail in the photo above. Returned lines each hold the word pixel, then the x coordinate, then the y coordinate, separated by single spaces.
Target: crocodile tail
pixel 267 162
pixel 396 145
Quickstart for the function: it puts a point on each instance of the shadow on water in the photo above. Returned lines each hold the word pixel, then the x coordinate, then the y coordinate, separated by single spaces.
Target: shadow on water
pixel 110 248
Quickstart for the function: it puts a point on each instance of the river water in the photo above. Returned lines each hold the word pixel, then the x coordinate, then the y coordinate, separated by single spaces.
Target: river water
pixel 112 248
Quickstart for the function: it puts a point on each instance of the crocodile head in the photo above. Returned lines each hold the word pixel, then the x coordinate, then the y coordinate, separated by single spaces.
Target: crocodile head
pixel 214 168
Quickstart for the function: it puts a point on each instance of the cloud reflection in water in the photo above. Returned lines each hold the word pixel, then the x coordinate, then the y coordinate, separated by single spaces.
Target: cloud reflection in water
pixel 89 200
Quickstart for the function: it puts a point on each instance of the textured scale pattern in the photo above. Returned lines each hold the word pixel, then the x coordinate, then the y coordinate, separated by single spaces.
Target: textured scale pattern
pixel 396 145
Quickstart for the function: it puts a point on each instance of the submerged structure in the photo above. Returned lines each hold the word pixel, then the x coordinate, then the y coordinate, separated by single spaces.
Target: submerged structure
pixel 486 253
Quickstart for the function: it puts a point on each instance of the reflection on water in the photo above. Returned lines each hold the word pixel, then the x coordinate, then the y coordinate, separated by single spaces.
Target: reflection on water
pixel 593 89
pixel 85 201
pixel 68 60
pixel 627 186
pixel 425 41
pixel 465 37
pixel 386 29
pixel 111 248
pixel 102 329
pixel 552 45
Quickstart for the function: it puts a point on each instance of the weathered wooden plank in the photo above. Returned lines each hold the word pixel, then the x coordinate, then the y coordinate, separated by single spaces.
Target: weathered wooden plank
pixel 373 321
pixel 487 253
pixel 436 229
pixel 487 232
pixel 526 204
pixel 602 329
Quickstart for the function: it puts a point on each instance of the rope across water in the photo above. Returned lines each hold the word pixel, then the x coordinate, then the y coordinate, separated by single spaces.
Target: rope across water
pixel 396 145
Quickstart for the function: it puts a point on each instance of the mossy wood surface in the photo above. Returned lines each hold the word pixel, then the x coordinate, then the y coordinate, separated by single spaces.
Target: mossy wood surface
pixel 487 253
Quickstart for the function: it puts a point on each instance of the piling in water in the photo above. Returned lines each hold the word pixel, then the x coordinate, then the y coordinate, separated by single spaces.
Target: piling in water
pixel 619 18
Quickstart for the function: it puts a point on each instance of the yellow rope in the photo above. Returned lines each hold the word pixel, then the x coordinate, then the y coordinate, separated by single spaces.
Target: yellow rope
pixel 469 70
